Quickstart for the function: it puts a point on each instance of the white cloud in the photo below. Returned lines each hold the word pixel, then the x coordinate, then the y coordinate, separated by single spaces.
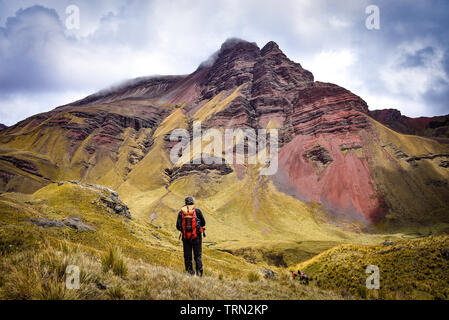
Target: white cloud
pixel 339 23
pixel 334 66
pixel 19 106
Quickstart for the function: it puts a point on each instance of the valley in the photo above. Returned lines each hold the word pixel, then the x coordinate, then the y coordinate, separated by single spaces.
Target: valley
pixel 93 179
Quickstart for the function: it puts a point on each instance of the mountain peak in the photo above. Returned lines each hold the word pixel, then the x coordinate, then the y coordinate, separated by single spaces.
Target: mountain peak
pixel 236 43
pixel 270 47
pixel 232 47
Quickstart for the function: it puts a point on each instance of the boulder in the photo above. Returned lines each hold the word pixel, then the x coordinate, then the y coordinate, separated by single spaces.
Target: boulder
pixel 445 253
pixel 71 222
pixel 268 273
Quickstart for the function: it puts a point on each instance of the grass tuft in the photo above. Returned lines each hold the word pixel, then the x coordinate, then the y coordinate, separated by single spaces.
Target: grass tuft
pixel 113 260
pixel 253 276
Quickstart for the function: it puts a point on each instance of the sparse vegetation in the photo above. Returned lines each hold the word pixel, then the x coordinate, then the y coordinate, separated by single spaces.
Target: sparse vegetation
pixel 409 269
pixel 38 275
pixel 253 276
pixel 113 260
pixel 122 259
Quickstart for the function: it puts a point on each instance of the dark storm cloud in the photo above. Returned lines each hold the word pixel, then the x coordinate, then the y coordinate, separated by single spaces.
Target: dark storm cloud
pixel 27 43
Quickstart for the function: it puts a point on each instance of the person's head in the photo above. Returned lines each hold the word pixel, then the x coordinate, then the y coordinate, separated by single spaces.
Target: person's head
pixel 189 200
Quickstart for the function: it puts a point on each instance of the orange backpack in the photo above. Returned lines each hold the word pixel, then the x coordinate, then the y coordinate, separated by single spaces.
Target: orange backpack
pixel 189 222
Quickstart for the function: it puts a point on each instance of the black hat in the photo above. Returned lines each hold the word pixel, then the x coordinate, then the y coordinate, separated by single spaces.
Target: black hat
pixel 189 200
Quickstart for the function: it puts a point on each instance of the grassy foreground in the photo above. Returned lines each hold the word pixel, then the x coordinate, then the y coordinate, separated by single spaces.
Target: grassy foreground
pixel 121 258
pixel 41 275
pixel 408 269
pixel 118 258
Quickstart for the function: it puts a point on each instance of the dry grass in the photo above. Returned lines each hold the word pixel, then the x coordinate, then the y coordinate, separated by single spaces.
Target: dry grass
pixel 113 260
pixel 253 276
pixel 41 275
pixel 409 269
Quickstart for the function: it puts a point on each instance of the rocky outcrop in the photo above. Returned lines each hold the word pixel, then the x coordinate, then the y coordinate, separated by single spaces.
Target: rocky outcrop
pixel 105 128
pixel 433 127
pixel 71 222
pixel 107 198
pixel 427 156
pixel 232 68
pixel 445 253
pixel 318 154
pixel 188 169
pixel 2 126
pixel 21 164
pixel 268 274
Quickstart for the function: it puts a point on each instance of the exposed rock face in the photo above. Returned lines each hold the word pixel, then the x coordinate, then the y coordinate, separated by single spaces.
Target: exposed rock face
pixel 186 169
pixel 108 198
pixel 104 128
pixel 318 154
pixel 2 126
pixel 268 273
pixel 21 164
pixel 434 127
pixel 445 253
pixel 71 222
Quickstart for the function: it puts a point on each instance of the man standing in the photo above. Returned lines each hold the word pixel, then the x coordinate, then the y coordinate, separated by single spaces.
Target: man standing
pixel 191 223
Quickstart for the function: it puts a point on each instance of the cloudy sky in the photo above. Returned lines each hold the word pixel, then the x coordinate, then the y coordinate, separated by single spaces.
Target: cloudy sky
pixel 44 62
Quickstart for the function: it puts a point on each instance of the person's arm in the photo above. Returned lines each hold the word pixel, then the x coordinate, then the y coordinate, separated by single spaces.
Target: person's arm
pixel 200 216
pixel 179 222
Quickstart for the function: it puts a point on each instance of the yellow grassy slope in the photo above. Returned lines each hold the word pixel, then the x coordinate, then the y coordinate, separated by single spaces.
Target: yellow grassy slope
pixel 408 269
pixel 34 259
pixel 417 192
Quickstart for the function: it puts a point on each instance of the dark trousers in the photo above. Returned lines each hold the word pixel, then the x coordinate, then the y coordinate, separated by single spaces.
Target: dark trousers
pixel 195 246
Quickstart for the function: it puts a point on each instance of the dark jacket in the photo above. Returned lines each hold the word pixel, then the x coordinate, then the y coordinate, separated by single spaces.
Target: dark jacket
pixel 199 216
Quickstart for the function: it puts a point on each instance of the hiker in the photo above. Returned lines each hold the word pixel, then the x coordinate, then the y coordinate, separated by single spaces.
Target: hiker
pixel 303 277
pixel 294 275
pixel 191 224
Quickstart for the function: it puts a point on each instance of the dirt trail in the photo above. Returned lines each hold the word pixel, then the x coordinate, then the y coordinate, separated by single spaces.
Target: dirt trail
pixel 154 214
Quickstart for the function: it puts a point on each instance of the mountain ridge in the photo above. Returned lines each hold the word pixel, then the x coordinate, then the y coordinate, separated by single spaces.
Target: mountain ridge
pixel 436 127
pixel 331 151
